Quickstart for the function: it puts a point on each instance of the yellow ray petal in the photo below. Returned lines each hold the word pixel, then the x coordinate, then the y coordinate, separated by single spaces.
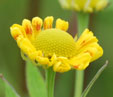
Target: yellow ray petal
pixel 62 65
pixel 86 38
pixel 88 43
pixel 15 32
pixel 28 28
pixel 94 49
pixel 48 22
pixel 19 27
pixel 61 24
pixel 42 60
pixel 81 61
pixel 26 46
pixel 37 23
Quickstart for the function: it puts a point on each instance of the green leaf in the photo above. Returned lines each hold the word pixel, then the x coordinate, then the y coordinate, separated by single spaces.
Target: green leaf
pixel 35 83
pixel 84 94
pixel 9 90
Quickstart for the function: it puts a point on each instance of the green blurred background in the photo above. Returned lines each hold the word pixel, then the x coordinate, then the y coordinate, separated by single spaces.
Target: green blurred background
pixel 12 66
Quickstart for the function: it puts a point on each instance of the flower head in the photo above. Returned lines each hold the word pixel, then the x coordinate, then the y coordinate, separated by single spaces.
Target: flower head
pixel 50 46
pixel 84 5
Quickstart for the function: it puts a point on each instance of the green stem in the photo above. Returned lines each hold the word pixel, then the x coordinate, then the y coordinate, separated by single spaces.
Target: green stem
pixel 83 20
pixel 50 78
pixel 79 83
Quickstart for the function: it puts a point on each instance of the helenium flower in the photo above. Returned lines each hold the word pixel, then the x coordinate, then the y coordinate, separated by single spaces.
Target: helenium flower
pixel 54 47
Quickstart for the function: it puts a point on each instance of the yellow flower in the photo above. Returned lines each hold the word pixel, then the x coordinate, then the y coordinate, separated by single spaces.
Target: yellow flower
pixel 84 5
pixel 54 47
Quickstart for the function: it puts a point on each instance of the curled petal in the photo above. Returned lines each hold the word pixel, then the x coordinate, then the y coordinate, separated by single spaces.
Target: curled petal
pixel 94 49
pixel 33 55
pixel 42 60
pixel 62 65
pixel 81 61
pixel 15 32
pixel 48 22
pixel 37 23
pixel 88 43
pixel 61 24
pixel 20 29
pixel 86 38
pixel 27 26
pixel 53 60
pixel 26 46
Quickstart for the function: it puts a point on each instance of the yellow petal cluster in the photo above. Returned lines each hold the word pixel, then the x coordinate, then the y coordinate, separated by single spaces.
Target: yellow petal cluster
pixel 53 47
pixel 84 5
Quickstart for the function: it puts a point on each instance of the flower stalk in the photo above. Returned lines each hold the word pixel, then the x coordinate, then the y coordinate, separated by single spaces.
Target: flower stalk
pixel 83 20
pixel 50 79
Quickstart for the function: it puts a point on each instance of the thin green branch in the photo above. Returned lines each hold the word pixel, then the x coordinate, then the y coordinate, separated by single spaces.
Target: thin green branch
pixel 84 94
pixel 9 90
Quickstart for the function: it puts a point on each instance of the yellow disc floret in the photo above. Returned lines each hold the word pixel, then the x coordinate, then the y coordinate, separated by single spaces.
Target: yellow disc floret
pixel 55 41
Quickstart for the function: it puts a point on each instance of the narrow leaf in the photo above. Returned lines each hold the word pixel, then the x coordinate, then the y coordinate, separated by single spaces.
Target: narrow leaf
pixel 35 82
pixel 84 94
pixel 9 90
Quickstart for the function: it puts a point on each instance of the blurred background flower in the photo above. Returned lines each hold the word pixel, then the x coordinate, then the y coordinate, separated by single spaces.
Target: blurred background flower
pixel 84 5
pixel 12 66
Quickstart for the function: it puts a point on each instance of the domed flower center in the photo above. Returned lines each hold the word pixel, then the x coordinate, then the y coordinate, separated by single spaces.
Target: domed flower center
pixel 55 41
